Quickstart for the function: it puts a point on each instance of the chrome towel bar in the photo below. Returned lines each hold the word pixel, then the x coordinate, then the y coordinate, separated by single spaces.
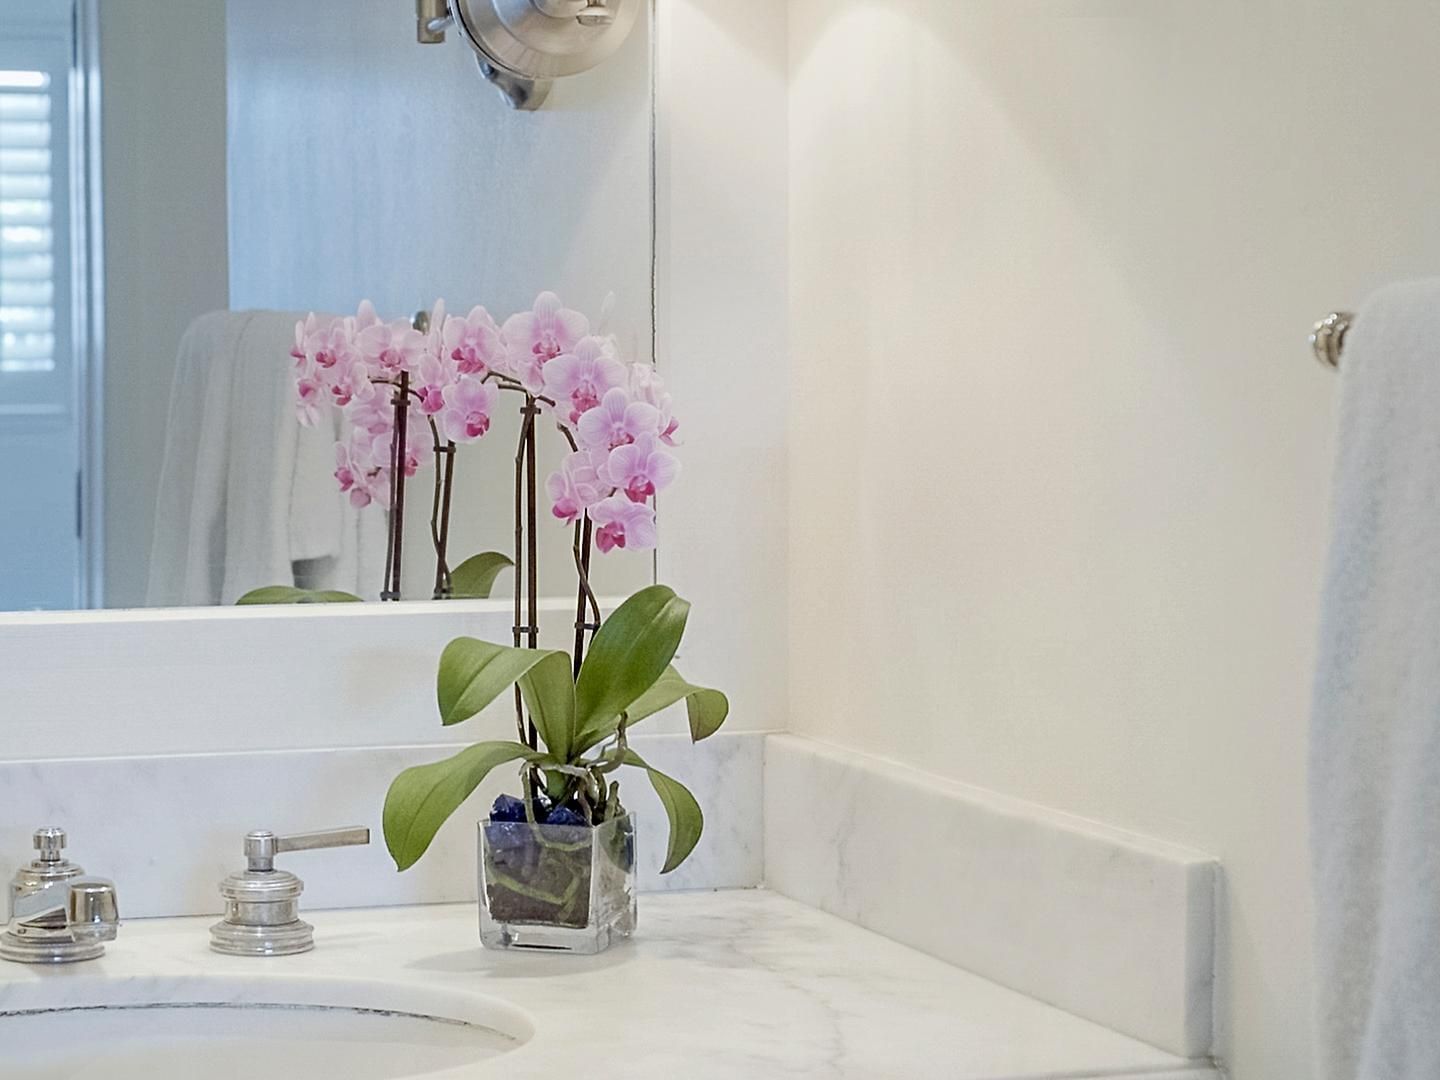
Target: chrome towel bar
pixel 1328 338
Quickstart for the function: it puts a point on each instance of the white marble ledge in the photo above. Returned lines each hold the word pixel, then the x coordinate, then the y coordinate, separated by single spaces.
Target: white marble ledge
pixel 1110 926
pixel 728 984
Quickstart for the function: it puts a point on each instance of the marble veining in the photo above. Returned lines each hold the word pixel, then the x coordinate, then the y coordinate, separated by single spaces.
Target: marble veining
pixel 167 829
pixel 1111 926
pixel 722 985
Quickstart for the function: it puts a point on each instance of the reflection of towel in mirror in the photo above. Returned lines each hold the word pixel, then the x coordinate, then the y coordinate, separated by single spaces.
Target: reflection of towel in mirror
pixel 1375 747
pixel 247 495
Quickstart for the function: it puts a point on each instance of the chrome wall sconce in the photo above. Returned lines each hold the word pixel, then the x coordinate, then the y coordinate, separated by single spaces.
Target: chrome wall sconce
pixel 523 46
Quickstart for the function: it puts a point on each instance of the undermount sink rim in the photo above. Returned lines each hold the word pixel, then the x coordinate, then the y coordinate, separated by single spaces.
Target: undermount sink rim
pixel 439 1004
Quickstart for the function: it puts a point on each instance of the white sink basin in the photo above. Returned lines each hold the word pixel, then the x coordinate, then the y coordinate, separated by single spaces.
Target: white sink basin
pixel 229 1029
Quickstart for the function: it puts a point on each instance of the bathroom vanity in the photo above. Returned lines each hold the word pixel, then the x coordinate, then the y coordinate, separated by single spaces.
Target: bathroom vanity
pixel 723 984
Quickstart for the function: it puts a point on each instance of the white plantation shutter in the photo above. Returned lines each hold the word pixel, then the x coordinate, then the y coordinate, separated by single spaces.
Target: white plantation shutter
pixel 37 370
pixel 28 190
pixel 41 556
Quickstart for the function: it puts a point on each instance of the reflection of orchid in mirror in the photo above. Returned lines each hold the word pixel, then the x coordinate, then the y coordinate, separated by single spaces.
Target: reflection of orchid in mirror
pixel 469 403
pixel 616 416
pixel 473 343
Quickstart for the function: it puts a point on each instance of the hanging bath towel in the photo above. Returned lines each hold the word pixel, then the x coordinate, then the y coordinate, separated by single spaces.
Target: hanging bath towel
pixel 1375 744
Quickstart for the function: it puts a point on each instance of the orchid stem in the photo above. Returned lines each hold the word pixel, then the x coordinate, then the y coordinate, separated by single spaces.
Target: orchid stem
pixel 529 736
pixel 396 539
pixel 440 510
pixel 583 535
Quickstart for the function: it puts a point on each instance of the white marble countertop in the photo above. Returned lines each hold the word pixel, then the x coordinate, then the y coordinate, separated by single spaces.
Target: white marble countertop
pixel 731 984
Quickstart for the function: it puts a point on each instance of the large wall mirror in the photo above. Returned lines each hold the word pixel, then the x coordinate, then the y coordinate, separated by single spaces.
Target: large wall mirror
pixel 180 182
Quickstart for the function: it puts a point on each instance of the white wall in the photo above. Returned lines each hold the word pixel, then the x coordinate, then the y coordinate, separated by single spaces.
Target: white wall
pixel 722 317
pixel 163 83
pixel 1059 453
pixel 363 164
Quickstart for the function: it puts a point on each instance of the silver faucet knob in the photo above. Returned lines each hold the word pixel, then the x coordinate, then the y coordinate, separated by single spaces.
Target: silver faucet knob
pixel 50 842
pixel 262 904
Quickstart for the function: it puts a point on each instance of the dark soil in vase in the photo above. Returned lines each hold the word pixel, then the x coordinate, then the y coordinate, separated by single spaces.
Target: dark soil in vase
pixel 542 872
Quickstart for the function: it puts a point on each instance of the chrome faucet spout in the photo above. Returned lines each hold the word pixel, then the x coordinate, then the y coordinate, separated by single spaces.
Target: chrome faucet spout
pixel 58 914
pixel 51 898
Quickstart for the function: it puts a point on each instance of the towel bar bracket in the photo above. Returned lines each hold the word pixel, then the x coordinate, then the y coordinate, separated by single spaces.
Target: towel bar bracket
pixel 1328 338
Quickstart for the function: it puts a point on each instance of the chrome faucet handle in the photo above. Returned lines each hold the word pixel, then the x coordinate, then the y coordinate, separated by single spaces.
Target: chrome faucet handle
pixel 262 904
pixel 262 847
pixel 58 915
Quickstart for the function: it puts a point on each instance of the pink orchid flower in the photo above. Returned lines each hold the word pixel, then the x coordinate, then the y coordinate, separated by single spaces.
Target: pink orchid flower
pixel 436 375
pixel 575 487
pixel 623 524
pixel 435 337
pixel 331 344
pixel 469 404
pixel 349 382
pixel 640 469
pixel 616 421
pixel 346 470
pixel 371 488
pixel 368 450
pixel 364 318
pixel 419 441
pixel 390 348
pixel 577 381
pixel 645 385
pixel 309 393
pixel 473 343
pixel 359 477
pixel 536 337
pixel 306 331
pixel 370 410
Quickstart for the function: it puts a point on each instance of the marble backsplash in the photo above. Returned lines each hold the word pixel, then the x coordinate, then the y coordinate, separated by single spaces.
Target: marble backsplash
pixel 168 828
pixel 1111 926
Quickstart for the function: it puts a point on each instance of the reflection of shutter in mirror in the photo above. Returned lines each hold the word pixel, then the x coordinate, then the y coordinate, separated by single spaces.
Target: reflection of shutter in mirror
pixel 27 233
pixel 41 562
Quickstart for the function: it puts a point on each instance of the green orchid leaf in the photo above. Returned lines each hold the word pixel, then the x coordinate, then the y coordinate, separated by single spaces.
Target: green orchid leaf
pixel 686 820
pixel 474 673
pixel 474 579
pixel 707 709
pixel 630 653
pixel 423 797
pixel 549 692
pixel 289 594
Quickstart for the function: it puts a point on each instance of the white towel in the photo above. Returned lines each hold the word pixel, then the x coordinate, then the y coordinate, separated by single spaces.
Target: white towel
pixel 187 556
pixel 1375 746
pixel 259 505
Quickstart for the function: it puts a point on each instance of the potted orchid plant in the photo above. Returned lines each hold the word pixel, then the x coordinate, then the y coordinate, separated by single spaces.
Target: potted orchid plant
pixel 557 861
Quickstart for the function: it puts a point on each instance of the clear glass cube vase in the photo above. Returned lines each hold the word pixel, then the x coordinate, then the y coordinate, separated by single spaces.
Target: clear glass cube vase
pixel 565 888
